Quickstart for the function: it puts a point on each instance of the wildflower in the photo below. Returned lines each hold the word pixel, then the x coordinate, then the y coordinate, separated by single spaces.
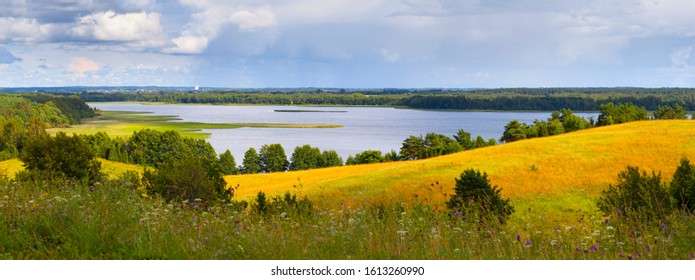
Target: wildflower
pixel 606 220
pixel 91 188
pixel 649 249
pixel 457 213
pixel 518 237
pixel 629 257
pixel 528 243
pixel 553 242
pixel 463 217
pixel 692 256
pixel 594 248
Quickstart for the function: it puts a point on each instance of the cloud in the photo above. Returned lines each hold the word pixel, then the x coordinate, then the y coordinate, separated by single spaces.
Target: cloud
pixel 213 18
pixel 389 55
pixel 679 57
pixel 81 65
pixel 110 26
pixel 6 57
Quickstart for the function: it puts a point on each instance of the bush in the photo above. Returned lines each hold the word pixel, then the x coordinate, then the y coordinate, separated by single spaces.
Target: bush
pixel 636 196
pixel 474 193
pixel 60 156
pixel 187 179
pixel 683 185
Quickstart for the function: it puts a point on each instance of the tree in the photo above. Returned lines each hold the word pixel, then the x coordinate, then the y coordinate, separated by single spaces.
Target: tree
pixel 187 179
pixel 330 158
pixel 251 163
pixel 62 156
pixel 413 148
pixel 391 156
pixel 572 122
pixel 439 144
pixel 306 157
pixel 514 131
pixel 636 196
pixel 366 157
pixel 227 163
pixel 622 113
pixel 273 158
pixel 464 139
pixel 683 185
pixel 670 113
pixel 474 193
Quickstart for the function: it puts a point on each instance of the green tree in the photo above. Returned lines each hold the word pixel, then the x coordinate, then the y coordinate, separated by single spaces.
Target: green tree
pixel 366 157
pixel 413 148
pixel 670 113
pixel 227 163
pixel 514 131
pixel 306 157
pixel 464 139
pixel 439 144
pixel 391 156
pixel 62 155
pixel 273 158
pixel 572 122
pixel 683 185
pixel 331 158
pixel 637 195
pixel 187 179
pixel 622 113
pixel 474 193
pixel 251 163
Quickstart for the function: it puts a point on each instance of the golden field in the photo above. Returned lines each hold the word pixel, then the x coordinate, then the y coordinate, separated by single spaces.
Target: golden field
pixel 111 168
pixel 564 167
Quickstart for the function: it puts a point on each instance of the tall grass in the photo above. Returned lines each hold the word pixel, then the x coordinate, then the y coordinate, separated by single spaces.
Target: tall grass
pixel 66 220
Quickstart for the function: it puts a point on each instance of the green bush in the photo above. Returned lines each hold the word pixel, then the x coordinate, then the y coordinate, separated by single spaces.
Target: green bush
pixel 683 185
pixel 60 156
pixel 187 179
pixel 636 196
pixel 474 193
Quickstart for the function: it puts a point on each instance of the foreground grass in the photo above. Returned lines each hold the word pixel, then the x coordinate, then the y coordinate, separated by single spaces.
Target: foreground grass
pixel 64 220
pixel 117 123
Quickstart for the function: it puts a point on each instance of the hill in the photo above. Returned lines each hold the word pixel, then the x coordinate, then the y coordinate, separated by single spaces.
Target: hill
pixel 569 169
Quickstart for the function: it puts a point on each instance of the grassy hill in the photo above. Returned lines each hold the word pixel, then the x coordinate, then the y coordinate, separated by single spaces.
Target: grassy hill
pixel 565 171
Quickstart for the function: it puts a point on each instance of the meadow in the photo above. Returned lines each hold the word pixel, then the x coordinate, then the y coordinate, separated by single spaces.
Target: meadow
pixel 381 211
pixel 121 123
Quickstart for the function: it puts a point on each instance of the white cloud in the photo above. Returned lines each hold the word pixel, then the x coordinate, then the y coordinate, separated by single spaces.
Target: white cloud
pixel 679 57
pixel 22 30
pixel 213 18
pixel 80 66
pixel 389 55
pixel 110 26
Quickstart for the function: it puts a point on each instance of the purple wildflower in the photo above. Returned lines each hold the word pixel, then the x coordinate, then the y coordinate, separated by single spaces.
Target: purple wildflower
pixel 91 188
pixel 463 217
pixel 457 213
pixel 528 243
pixel 594 248
pixel 692 255
pixel 649 249
pixel 606 220
pixel 518 237
pixel 187 226
pixel 576 249
pixel 629 257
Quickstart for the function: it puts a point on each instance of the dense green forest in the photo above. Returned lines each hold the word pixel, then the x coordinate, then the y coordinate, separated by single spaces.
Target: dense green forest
pixel 27 113
pixel 507 99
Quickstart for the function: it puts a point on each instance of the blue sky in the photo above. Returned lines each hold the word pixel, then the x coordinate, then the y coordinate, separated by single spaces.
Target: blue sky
pixel 347 43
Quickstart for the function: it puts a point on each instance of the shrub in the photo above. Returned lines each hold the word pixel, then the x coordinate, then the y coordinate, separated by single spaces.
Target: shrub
pixel 187 179
pixel 683 185
pixel 60 156
pixel 636 196
pixel 474 193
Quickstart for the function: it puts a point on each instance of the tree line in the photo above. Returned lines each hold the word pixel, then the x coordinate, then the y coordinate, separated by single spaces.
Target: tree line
pixel 505 99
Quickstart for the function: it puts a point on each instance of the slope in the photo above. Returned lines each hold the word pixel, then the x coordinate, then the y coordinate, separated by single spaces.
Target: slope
pixel 574 164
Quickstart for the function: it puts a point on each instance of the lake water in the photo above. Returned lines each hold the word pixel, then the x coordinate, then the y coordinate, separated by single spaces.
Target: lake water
pixel 364 128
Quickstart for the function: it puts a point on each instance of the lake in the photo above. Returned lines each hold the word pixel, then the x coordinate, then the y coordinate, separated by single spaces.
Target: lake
pixel 364 128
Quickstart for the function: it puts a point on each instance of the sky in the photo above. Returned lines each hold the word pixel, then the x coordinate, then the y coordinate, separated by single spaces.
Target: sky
pixel 348 43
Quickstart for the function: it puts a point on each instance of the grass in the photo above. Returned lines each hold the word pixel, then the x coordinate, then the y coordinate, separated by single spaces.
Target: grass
pixel 111 168
pixel 310 111
pixel 381 211
pixel 572 168
pixel 121 123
